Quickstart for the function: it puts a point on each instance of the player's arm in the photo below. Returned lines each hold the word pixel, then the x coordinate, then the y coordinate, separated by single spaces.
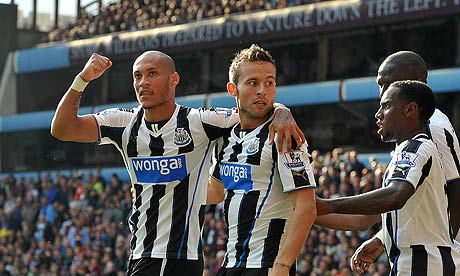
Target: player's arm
pixel 286 128
pixel 347 222
pixel 66 124
pixel 392 197
pixel 215 191
pixel 304 214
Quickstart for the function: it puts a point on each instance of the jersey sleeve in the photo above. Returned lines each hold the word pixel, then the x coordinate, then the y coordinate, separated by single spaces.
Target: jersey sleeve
pixel 449 150
pixel 295 169
pixel 412 163
pixel 218 121
pixel 214 170
pixel 111 123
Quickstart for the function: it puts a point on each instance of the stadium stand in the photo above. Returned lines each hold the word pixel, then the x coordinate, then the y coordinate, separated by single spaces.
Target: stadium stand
pixel 127 15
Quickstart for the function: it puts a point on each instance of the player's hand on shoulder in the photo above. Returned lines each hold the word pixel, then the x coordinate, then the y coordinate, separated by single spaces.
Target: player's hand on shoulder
pixel 95 67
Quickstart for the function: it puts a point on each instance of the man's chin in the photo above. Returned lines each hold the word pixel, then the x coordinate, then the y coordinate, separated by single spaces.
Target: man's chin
pixel 263 112
pixel 387 138
pixel 147 105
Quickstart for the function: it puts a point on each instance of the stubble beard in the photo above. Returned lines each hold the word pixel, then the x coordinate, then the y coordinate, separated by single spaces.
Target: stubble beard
pixel 163 98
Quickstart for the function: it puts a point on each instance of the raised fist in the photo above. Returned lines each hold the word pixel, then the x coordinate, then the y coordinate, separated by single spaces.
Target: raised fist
pixel 95 67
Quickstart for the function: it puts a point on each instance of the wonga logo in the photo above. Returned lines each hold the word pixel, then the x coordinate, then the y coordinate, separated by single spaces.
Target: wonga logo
pixel 236 176
pixel 159 170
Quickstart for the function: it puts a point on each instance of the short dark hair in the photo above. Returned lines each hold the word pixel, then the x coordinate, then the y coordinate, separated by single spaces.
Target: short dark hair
pixel 409 61
pixel 418 92
pixel 253 53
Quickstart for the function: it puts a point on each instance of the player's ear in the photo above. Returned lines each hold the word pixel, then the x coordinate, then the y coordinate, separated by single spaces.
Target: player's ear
pixel 175 78
pixel 411 109
pixel 231 88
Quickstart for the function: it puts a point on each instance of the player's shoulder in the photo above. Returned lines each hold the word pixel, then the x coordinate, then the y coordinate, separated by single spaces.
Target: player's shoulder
pixel 119 110
pixel 420 142
pixel 439 120
pixel 220 111
pixel 410 151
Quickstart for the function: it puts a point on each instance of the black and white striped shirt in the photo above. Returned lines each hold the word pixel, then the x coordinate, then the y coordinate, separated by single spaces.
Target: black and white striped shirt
pixel 257 207
pixel 168 165
pixel 417 237
pixel 443 135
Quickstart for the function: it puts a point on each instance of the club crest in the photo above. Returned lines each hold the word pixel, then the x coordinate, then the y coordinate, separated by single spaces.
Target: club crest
pixel 181 137
pixel 253 146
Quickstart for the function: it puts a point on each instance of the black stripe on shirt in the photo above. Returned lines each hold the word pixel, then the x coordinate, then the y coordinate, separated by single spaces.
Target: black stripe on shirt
pixel 228 199
pixel 246 217
pixel 182 122
pixel 448 265
pixel 425 171
pixel 236 149
pixel 219 157
pixel 254 159
pixel 214 132
pixel 131 148
pixel 201 221
pixel 134 219
pixel 114 133
pixel 450 144
pixel 156 145
pixel 158 191
pixel 419 260
pixel 273 240
pixel 412 146
pixel 179 231
pixel 394 250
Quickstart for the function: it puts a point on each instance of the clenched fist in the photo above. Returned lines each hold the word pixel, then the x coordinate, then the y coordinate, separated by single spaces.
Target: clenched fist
pixel 95 67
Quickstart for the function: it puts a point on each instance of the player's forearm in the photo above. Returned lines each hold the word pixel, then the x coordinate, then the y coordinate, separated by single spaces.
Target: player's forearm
pixel 215 193
pixel 302 219
pixel 347 222
pixel 379 201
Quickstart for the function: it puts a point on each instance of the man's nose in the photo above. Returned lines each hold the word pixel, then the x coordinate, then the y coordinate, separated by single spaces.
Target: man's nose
pixel 144 81
pixel 260 89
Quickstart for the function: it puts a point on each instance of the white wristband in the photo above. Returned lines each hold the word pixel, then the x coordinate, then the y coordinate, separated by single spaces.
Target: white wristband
pixel 78 84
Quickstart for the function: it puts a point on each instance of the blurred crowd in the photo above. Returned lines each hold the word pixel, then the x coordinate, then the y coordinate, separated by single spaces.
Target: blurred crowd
pixel 131 15
pixel 76 224
pixel 69 225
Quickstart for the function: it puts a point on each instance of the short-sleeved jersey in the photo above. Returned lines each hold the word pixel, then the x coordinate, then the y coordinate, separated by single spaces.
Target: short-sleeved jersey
pixel 419 232
pixel 257 207
pixel 168 165
pixel 443 134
